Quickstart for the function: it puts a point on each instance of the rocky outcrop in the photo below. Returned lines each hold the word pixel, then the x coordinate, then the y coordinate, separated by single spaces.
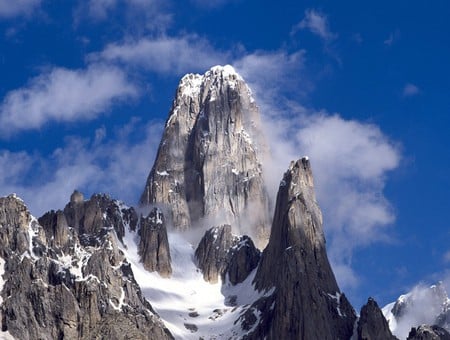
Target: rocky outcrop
pixel 154 243
pixel 423 305
pixel 305 300
pixel 425 332
pixel 372 325
pixel 60 283
pixel 222 254
pixel 243 258
pixel 208 165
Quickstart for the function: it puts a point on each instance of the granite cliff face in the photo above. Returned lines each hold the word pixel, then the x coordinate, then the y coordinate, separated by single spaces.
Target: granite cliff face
pixel 208 167
pixel 372 325
pixel 296 267
pixel 65 276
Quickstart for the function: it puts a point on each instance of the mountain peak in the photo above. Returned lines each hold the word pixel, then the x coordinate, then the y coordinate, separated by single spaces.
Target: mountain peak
pixel 208 166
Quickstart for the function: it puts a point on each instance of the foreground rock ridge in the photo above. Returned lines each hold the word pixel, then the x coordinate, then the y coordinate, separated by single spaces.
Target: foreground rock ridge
pixel 65 276
pixel 208 166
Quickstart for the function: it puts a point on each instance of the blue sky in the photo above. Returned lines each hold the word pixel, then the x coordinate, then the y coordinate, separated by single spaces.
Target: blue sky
pixel 361 88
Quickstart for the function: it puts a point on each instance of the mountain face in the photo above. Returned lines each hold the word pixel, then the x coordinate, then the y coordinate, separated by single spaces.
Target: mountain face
pixel 65 275
pixel 425 332
pixel 98 269
pixel 371 324
pixel 295 265
pixel 208 166
pixel 429 305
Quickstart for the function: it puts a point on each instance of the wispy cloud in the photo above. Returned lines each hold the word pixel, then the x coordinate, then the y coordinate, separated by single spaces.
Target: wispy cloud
pixel 112 165
pixel 350 159
pixel 410 90
pixel 9 9
pixel 392 38
pixel 140 15
pixel 210 3
pixel 170 55
pixel 316 22
pixel 64 95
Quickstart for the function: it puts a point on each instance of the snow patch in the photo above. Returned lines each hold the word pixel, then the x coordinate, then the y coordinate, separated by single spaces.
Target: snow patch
pixel 191 307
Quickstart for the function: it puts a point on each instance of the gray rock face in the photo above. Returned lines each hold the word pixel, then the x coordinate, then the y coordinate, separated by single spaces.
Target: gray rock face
pixel 208 165
pixel 307 302
pixel 426 332
pixel 372 325
pixel 243 258
pixel 60 283
pixel 154 244
pixel 220 253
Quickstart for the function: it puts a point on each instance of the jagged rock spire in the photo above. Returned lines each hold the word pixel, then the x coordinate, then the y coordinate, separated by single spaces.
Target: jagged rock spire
pixel 208 164
pixel 307 301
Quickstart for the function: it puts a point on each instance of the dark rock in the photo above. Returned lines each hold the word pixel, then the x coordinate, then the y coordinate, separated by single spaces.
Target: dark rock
pixel 372 324
pixel 425 332
pixel 212 252
pixel 243 258
pixel 220 253
pixel 295 271
pixel 154 243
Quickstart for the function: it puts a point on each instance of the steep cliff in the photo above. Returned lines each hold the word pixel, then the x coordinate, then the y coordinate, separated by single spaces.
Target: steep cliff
pixel 306 301
pixel 208 166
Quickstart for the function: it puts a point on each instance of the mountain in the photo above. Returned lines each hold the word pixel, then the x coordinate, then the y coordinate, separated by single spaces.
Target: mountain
pixel 100 269
pixel 423 305
pixel 208 166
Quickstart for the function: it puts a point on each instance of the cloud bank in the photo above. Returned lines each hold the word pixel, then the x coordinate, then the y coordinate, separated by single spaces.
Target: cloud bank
pixel 115 165
pixel 10 9
pixel 64 95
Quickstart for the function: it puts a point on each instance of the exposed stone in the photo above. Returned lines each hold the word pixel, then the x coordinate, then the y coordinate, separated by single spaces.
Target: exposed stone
pixel 220 253
pixel 294 267
pixel 372 324
pixel 425 332
pixel 243 258
pixel 56 288
pixel 154 243
pixel 212 252
pixel 208 164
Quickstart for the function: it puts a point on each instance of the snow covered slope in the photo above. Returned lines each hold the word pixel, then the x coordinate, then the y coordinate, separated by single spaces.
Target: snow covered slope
pixel 191 307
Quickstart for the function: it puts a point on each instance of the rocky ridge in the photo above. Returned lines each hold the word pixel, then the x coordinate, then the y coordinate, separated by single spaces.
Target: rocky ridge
pixel 66 277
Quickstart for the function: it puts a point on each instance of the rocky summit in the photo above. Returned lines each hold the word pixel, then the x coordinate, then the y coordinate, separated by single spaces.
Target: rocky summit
pixel 208 166
pixel 190 261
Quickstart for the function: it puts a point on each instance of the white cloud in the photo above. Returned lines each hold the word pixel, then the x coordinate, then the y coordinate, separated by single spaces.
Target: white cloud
pixel 350 162
pixel 139 15
pixel 410 90
pixel 170 55
pixel 9 9
pixel 350 159
pixel 64 95
pixel 270 71
pixel 210 3
pixel 317 23
pixel 116 166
